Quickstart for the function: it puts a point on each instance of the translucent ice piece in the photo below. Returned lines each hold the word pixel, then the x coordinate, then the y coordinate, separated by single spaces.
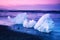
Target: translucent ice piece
pixel 19 18
pixel 44 24
pixel 25 23
pixel 29 24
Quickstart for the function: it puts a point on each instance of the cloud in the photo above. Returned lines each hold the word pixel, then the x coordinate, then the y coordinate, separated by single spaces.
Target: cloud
pixel 27 2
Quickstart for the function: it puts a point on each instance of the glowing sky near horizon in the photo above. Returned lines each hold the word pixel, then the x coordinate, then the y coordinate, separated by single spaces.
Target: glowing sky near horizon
pixel 27 2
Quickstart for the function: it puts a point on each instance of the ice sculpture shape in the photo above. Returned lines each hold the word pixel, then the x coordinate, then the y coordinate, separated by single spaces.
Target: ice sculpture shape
pixel 29 24
pixel 44 24
pixel 19 18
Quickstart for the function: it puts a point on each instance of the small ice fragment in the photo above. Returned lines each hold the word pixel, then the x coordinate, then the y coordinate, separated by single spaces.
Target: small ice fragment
pixel 32 23
pixel 29 24
pixel 25 23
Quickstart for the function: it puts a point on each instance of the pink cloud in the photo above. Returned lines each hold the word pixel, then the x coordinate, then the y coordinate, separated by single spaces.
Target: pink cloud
pixel 27 2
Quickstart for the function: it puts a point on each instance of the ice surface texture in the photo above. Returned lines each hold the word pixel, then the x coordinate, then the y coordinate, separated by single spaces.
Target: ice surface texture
pixel 19 18
pixel 29 24
pixel 44 24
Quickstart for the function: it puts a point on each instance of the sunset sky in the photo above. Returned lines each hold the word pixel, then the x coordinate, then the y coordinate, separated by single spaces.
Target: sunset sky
pixel 27 2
